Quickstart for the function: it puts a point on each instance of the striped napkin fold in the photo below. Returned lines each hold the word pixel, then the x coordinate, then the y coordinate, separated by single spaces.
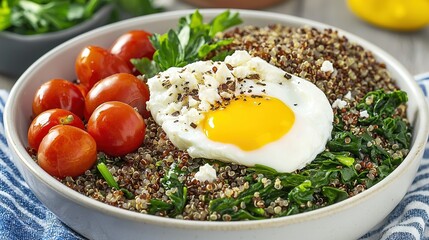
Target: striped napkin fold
pixel 23 216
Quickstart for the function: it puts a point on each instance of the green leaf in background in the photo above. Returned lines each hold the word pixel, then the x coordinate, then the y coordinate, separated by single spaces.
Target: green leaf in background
pixel 42 16
pixel 139 7
pixel 90 8
pixel 5 15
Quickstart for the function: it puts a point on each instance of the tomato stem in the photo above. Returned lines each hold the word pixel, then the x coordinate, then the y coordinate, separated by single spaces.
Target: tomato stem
pixel 67 119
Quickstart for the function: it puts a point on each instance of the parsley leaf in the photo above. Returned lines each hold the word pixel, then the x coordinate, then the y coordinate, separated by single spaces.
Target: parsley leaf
pixel 191 42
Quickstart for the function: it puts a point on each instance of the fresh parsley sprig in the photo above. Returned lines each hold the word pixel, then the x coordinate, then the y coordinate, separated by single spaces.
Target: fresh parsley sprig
pixel 192 41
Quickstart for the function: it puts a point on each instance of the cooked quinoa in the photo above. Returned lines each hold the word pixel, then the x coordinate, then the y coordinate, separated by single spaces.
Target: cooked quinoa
pixel 299 51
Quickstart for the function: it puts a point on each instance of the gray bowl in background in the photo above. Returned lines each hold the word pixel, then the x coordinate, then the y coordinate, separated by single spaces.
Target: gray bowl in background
pixel 18 52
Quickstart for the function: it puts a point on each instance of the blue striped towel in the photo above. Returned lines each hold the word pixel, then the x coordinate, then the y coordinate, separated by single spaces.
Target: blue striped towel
pixel 23 216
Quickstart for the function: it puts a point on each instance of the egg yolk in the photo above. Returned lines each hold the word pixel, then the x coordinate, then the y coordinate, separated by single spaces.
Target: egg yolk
pixel 249 122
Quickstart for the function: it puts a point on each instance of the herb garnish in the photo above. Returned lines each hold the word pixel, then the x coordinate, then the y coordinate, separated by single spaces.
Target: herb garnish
pixel 104 171
pixel 192 41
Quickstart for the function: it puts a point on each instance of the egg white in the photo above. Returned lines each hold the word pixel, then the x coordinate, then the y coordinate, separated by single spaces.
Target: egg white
pixel 179 116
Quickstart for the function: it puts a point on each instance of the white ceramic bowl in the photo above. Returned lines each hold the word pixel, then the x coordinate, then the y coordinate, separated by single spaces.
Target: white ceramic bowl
pixel 348 219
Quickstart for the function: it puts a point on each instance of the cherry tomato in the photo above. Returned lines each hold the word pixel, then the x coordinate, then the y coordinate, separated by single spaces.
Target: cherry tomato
pixel 48 119
pixel 117 128
pixel 95 63
pixel 67 151
pixel 133 44
pixel 121 87
pixel 83 89
pixel 59 93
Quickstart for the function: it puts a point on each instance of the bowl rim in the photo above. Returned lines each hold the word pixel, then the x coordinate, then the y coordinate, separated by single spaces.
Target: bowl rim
pixel 80 199
pixel 73 30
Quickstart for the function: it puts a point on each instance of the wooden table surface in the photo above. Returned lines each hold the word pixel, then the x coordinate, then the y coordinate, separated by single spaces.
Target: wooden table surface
pixel 410 48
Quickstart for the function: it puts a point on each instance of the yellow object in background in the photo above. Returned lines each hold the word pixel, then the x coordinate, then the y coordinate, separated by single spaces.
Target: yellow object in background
pixel 404 15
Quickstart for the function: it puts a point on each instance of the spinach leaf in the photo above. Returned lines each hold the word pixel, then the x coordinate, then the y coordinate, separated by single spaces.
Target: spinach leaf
pixel 381 104
pixel 395 131
pixel 334 194
pixel 175 190
pixel 302 193
pixel 334 173
pixel 338 142
pixel 159 206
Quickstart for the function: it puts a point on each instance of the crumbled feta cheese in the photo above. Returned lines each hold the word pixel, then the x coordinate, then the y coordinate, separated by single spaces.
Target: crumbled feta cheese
pixel 327 66
pixel 340 104
pixel 348 95
pixel 364 114
pixel 206 173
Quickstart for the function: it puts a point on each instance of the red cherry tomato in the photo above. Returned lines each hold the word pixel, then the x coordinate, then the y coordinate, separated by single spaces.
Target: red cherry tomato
pixel 117 128
pixel 133 44
pixel 95 63
pixel 67 151
pixel 48 119
pixel 122 87
pixel 58 93
pixel 83 89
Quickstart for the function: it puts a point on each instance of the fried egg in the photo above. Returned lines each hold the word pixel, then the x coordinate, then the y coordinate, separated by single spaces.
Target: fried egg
pixel 243 110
